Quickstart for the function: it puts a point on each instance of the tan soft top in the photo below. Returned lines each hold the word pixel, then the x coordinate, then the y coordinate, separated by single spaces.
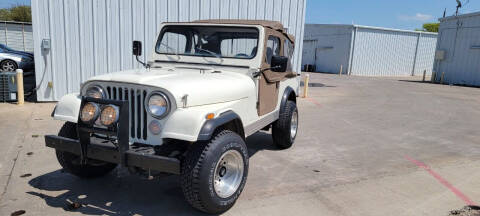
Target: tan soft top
pixel 275 25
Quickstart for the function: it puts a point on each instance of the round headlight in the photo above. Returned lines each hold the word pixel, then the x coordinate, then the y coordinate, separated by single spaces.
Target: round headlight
pixel 95 92
pixel 89 113
pixel 158 105
pixel 109 115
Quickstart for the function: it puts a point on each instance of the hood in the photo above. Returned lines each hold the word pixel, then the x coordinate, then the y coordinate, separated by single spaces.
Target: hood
pixel 20 53
pixel 202 88
pixel 16 56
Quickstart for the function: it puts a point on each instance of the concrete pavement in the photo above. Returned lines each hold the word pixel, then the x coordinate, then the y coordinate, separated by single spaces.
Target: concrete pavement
pixel 351 157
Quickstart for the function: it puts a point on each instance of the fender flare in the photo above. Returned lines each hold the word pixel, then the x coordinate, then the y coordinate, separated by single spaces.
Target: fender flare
pixel 288 94
pixel 209 127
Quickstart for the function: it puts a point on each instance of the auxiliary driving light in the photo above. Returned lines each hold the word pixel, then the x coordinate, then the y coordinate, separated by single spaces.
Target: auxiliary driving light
pixel 89 113
pixel 109 115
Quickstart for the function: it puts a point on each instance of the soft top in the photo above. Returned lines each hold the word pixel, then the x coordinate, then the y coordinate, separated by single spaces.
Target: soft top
pixel 270 24
pixel 275 25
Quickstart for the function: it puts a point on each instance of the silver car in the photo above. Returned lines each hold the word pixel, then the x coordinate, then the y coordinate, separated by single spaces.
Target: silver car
pixel 11 59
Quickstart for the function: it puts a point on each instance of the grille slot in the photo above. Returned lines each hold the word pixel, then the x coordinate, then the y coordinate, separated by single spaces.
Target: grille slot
pixel 138 114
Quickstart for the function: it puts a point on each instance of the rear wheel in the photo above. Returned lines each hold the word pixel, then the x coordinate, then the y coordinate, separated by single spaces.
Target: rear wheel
pixel 214 172
pixel 71 162
pixel 284 130
pixel 8 65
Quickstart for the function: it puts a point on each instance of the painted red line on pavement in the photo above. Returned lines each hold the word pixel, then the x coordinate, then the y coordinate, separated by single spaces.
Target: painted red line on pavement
pixel 314 101
pixel 443 181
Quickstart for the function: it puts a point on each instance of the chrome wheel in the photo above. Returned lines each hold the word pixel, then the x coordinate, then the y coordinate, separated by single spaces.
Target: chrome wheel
pixel 294 125
pixel 228 173
pixel 8 65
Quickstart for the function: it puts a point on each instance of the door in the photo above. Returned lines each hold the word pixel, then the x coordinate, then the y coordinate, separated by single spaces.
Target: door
pixel 276 44
pixel 268 87
pixel 308 54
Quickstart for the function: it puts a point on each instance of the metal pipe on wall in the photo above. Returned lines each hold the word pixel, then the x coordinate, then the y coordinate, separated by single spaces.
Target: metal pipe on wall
pixel 352 50
pixel 416 54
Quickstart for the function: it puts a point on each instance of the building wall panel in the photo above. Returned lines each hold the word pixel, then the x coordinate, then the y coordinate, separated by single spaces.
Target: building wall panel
pixel 459 38
pixel 370 51
pixel 329 47
pixel 426 54
pixel 383 53
pixel 93 37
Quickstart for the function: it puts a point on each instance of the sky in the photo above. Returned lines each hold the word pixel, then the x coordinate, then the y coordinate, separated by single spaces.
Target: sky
pixel 9 3
pixel 399 14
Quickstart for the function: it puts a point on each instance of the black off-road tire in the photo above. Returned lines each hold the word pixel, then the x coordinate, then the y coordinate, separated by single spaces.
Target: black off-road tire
pixel 70 162
pixel 198 170
pixel 282 137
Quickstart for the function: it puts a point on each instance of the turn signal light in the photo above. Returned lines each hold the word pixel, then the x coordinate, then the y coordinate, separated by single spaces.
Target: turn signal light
pixel 210 116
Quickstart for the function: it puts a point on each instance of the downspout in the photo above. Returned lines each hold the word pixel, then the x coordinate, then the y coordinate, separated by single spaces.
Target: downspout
pixel 416 53
pixel 352 49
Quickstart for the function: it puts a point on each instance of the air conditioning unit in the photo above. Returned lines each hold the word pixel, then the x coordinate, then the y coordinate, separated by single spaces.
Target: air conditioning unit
pixel 8 87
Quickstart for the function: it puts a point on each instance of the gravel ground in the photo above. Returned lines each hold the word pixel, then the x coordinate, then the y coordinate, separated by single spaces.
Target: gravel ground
pixel 466 211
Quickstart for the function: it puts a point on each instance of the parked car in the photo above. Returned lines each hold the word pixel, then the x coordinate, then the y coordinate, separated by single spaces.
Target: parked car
pixel 207 87
pixel 11 59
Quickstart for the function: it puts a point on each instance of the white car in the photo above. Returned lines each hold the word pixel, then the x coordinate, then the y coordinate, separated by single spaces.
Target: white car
pixel 208 86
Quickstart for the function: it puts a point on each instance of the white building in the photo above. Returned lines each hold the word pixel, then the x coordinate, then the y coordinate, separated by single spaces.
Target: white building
pixel 368 51
pixel 458 50
pixel 94 37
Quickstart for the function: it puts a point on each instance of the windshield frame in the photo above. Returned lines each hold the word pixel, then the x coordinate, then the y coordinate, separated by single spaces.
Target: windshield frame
pixel 166 27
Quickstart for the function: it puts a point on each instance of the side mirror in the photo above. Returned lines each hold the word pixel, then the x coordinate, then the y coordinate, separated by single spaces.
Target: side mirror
pixel 279 63
pixel 137 48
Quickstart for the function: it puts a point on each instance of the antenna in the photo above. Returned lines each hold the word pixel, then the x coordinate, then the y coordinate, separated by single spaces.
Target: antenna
pixel 445 13
pixel 459 5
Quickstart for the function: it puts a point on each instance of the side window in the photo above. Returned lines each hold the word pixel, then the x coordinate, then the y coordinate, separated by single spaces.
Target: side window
pixel 288 52
pixel 273 48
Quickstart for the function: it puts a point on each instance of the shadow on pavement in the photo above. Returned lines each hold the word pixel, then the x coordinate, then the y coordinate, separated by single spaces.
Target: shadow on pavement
pixel 120 193
pixel 428 82
pixel 260 141
pixel 113 194
pixel 315 85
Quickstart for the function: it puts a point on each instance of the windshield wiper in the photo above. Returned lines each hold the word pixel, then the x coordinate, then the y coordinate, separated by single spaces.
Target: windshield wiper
pixel 172 49
pixel 211 53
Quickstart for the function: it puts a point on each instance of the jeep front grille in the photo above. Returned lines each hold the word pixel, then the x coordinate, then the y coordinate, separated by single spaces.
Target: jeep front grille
pixel 138 114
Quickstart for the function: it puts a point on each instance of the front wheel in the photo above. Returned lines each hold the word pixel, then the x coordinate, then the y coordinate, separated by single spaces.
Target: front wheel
pixel 284 130
pixel 214 172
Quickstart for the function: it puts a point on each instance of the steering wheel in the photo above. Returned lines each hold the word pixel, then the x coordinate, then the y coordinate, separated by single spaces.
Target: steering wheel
pixel 241 55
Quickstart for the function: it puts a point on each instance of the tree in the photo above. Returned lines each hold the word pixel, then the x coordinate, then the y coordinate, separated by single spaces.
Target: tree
pixel 19 13
pixel 431 27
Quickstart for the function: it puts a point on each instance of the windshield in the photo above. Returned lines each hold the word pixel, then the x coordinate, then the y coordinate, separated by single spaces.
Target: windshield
pixel 4 47
pixel 209 41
